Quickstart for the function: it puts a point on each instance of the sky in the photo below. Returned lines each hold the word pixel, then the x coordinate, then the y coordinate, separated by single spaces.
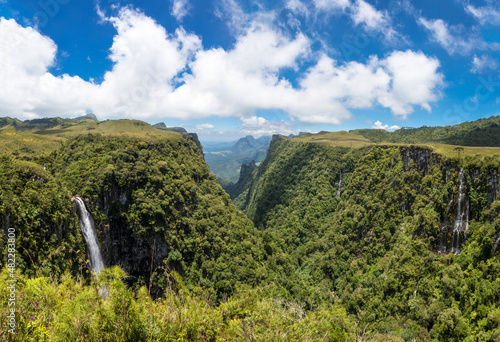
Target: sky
pixel 229 68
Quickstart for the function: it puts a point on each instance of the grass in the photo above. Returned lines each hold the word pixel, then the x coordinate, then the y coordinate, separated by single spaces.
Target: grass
pixel 347 139
pixel 341 138
pixel 39 142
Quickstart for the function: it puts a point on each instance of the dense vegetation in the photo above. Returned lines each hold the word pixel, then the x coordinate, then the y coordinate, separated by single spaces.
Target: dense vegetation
pixel 483 132
pixel 349 241
pixel 375 249
pixel 164 190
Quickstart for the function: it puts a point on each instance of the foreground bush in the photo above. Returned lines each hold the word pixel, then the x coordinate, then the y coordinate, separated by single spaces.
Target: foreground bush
pixel 69 309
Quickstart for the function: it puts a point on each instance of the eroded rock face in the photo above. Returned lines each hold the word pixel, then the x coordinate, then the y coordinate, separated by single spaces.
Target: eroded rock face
pixel 457 214
pixel 492 179
pixel 420 156
pixel 134 254
pixel 120 244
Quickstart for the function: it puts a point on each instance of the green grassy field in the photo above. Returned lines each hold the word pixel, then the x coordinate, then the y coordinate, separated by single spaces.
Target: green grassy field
pixel 341 138
pixel 44 141
pixel 347 139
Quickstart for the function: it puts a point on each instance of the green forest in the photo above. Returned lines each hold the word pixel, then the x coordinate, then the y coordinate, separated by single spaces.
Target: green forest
pixel 346 236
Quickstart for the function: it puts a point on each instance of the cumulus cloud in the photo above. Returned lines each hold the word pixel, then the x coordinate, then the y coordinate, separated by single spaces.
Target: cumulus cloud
pixel 204 126
pixel 28 90
pixel 486 14
pixel 147 61
pixel 398 82
pixel 258 126
pixel 379 125
pixel 483 64
pixel 180 9
pixel 157 74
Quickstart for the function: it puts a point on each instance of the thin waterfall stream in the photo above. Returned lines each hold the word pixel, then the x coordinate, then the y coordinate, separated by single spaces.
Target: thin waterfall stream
pixel 90 235
pixel 461 223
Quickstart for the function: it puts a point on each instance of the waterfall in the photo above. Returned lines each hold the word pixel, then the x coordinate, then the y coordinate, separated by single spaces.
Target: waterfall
pixel 495 246
pixel 461 222
pixel 90 236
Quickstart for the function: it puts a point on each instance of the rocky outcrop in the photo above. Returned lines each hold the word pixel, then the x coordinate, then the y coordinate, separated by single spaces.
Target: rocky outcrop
pixel 120 244
pixel 422 157
pixel 492 179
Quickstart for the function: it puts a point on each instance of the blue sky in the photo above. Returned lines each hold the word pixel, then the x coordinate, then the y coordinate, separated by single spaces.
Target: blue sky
pixel 227 68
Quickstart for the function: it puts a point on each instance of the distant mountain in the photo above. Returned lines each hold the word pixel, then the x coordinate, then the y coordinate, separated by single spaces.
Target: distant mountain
pixel 225 159
pixel 249 143
pixel 45 123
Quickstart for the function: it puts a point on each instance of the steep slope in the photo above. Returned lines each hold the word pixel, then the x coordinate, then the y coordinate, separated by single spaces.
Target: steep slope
pixel 408 236
pixel 151 195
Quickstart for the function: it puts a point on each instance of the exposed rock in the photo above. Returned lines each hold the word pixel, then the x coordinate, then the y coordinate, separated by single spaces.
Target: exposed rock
pixel 493 189
pixel 421 156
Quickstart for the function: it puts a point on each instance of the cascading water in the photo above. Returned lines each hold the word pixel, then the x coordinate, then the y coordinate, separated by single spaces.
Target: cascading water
pixel 495 246
pixel 444 229
pixel 461 222
pixel 90 236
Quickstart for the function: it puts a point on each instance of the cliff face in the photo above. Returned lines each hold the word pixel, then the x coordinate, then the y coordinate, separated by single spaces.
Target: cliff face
pixel 246 176
pixel 158 200
pixel 441 195
pixel 150 200
pixel 121 245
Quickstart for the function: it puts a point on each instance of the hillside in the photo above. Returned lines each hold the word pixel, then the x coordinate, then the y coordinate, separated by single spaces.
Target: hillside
pixel 30 138
pixel 340 238
pixel 399 234
pixel 483 132
pixel 145 187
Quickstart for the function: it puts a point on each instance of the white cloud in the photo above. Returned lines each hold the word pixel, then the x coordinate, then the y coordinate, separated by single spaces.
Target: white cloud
pixel 456 39
pixel 297 7
pixel 398 82
pixel 157 74
pixel 485 15
pixel 238 81
pixel 204 126
pixel 147 62
pixel 258 126
pixel 235 17
pixel 440 33
pixel 180 9
pixel 483 64
pixel 378 125
pixel 415 81
pixel 331 4
pixel 28 90
pixel 363 14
